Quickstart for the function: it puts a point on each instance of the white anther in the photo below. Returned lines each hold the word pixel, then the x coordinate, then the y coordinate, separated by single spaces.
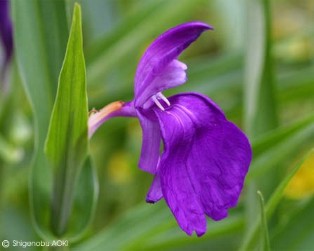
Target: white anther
pixel 161 96
pixel 156 101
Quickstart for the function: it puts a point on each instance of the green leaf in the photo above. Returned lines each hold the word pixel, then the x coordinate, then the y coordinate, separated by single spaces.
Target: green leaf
pixel 279 146
pixel 128 228
pixel 276 147
pixel 154 228
pixel 251 239
pixel 40 35
pixel 168 236
pixel 260 103
pixel 67 140
pixel 259 96
pixel 296 85
pixel 275 137
pixel 297 231
pixel 40 32
pixel 85 201
pixel 264 227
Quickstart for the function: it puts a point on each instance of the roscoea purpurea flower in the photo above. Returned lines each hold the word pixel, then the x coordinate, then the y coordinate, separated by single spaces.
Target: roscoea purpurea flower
pixel 205 157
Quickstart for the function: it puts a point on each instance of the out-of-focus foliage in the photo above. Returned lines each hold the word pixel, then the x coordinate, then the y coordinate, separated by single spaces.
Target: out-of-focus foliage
pixel 302 184
pixel 258 65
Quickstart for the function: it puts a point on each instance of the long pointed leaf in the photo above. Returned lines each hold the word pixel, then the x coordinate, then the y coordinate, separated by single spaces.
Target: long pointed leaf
pixel 261 114
pixel 264 227
pixel 40 34
pixel 67 141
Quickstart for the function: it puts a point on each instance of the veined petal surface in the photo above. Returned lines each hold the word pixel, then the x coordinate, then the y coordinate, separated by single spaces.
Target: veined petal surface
pixel 204 163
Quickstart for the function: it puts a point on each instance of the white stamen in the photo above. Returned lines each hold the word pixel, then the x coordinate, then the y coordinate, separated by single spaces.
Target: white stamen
pixel 156 101
pixel 161 96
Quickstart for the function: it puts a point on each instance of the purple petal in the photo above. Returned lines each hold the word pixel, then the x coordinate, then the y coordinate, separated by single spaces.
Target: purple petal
pixel 150 142
pixel 154 194
pixel 166 48
pixel 173 75
pixel 178 190
pixel 6 29
pixel 204 163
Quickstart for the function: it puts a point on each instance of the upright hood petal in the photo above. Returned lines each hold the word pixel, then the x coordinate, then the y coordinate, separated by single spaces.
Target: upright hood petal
pixel 204 163
pixel 166 48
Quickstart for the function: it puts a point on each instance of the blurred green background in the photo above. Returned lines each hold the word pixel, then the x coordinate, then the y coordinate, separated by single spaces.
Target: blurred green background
pixel 257 64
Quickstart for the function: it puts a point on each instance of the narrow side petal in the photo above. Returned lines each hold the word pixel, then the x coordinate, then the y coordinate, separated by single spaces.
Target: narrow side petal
pixel 154 194
pixel 150 142
pixel 167 47
pixel 205 160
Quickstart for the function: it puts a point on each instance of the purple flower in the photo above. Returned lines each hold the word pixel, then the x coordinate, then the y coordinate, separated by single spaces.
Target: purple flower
pixel 5 34
pixel 205 157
